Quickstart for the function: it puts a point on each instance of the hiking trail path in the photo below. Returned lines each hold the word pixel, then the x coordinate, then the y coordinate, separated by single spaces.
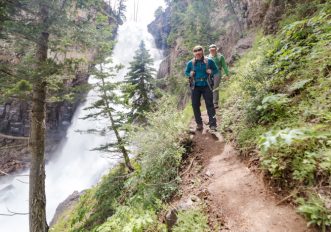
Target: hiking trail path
pixel 235 195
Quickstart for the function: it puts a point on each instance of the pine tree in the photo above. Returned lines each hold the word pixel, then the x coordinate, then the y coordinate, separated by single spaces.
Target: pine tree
pixel 105 107
pixel 108 96
pixel 140 88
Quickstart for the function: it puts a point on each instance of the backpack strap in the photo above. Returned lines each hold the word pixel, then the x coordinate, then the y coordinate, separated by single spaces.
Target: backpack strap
pixel 192 79
pixel 205 60
pixel 193 64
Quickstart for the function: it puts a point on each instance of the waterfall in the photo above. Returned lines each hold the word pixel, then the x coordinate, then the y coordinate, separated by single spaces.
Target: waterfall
pixel 74 166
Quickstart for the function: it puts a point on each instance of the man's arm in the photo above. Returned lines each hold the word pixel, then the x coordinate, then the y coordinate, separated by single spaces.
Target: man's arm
pixel 188 69
pixel 224 66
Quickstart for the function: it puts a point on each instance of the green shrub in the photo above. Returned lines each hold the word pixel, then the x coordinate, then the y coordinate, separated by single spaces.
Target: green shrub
pixel 295 154
pixel 191 220
pixel 315 210
pixel 232 115
pixel 132 219
pixel 326 162
pixel 305 167
pixel 159 150
pixel 248 138
pixel 301 10
pixel 272 107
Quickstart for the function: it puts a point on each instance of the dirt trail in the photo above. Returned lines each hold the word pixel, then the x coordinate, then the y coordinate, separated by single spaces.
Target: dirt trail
pixel 236 194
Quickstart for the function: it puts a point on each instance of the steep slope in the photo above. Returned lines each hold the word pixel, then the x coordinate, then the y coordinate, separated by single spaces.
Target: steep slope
pixel 276 108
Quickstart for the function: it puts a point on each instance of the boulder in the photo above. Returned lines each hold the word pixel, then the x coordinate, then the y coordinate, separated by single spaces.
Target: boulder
pixel 65 205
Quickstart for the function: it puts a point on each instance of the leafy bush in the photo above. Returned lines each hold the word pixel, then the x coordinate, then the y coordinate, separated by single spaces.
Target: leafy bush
pixel 247 138
pixel 305 167
pixel 273 107
pixel 315 211
pixel 293 50
pixel 232 115
pixel 191 220
pixel 295 154
pixel 326 163
pixel 298 85
pixel 132 219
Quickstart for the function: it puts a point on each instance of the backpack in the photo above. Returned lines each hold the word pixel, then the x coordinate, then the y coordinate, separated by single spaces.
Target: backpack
pixel 210 79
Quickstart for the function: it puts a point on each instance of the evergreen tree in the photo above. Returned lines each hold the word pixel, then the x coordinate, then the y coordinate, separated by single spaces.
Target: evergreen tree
pixel 105 107
pixel 108 97
pixel 140 88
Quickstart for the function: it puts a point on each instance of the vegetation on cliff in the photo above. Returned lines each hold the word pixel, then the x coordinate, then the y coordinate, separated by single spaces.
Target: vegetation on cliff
pixel 277 105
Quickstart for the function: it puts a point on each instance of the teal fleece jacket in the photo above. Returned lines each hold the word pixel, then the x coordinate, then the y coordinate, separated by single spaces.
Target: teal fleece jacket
pixel 201 75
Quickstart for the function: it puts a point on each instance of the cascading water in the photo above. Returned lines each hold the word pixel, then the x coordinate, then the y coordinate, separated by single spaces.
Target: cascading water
pixel 75 166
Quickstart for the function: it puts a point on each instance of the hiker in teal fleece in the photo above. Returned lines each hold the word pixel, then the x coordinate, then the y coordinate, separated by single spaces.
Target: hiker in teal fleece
pixel 201 76
pixel 221 65
pixel 200 70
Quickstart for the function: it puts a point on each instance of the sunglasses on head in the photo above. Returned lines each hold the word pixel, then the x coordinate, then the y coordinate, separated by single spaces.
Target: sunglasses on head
pixel 197 50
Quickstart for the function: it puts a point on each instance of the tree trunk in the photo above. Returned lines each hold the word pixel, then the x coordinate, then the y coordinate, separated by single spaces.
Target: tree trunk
pixel 37 196
pixel 121 145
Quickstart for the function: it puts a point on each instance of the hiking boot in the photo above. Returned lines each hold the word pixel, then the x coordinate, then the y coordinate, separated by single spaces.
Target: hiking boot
pixel 199 127
pixel 213 129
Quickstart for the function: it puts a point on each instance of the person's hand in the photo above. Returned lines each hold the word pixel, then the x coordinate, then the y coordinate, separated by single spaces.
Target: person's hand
pixel 192 74
pixel 208 71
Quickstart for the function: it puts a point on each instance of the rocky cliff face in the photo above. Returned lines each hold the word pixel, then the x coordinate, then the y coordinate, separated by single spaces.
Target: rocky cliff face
pixel 240 19
pixel 14 114
pixel 160 29
pixel 14 121
pixel 236 21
